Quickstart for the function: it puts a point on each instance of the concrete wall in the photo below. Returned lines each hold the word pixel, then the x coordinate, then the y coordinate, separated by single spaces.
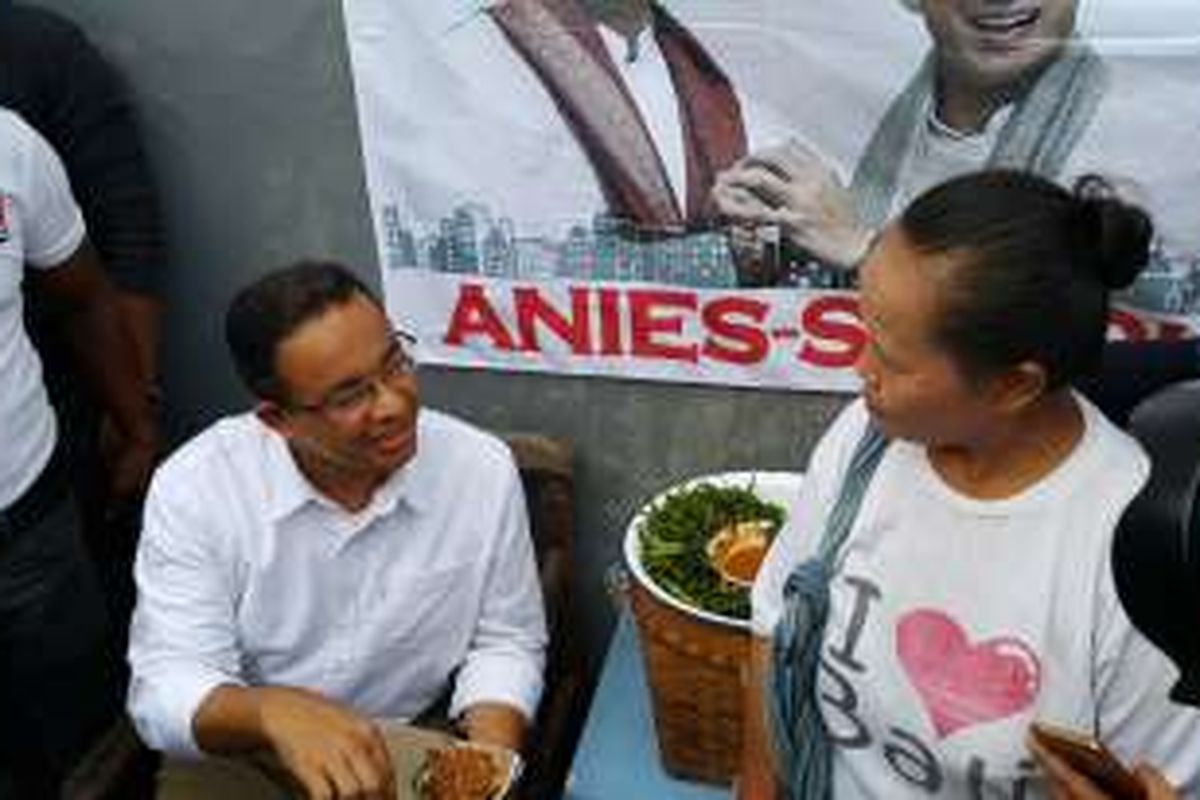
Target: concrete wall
pixel 249 117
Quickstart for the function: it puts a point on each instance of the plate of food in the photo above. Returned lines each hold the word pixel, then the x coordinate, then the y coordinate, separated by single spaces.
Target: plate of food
pixel 698 545
pixel 432 765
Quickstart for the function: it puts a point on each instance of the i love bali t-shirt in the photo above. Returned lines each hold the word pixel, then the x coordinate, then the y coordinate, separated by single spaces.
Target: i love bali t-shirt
pixel 956 622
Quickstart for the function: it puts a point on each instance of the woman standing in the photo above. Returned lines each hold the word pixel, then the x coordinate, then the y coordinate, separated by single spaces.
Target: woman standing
pixel 968 593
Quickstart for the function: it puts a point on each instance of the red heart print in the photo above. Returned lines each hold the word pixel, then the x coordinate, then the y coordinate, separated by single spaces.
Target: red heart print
pixel 963 684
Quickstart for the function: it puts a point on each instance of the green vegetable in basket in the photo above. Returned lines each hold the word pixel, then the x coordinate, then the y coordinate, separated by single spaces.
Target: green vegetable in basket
pixel 675 541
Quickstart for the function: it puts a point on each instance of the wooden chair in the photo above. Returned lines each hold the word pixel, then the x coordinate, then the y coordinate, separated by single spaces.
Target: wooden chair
pixel 120 767
pixel 548 478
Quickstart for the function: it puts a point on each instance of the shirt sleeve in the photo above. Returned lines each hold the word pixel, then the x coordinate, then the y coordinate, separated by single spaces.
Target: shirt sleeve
pixel 52 225
pixel 182 640
pixel 806 518
pixel 1136 717
pixel 506 655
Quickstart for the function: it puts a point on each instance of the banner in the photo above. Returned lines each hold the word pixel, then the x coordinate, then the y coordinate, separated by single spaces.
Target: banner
pixel 552 182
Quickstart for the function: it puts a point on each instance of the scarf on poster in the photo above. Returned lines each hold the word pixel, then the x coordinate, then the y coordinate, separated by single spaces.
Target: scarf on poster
pixel 560 43
pixel 1040 133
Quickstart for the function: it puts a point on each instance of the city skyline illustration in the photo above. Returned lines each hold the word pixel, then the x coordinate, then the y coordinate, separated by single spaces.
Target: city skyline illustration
pixel 473 240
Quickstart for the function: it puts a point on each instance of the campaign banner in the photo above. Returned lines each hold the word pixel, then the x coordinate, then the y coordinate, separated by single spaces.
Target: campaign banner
pixel 801 339
pixel 680 191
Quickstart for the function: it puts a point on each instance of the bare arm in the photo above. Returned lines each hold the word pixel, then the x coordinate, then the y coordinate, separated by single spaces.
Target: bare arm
pixel 495 723
pixel 329 749
pixel 757 778
pixel 143 316
pixel 105 350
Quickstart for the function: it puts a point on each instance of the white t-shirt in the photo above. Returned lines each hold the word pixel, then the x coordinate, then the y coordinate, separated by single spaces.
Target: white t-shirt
pixel 40 225
pixel 956 622
pixel 246 574
pixel 648 79
pixel 940 153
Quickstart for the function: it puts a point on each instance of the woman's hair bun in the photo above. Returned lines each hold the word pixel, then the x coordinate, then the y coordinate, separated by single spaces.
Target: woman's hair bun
pixel 1112 237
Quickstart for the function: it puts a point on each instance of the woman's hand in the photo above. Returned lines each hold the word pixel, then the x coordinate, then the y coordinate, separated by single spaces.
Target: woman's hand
pixel 791 186
pixel 1068 784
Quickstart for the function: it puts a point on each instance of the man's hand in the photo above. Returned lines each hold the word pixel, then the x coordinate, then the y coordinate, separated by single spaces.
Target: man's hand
pixel 791 187
pixel 1068 784
pixel 332 752
pixel 1154 783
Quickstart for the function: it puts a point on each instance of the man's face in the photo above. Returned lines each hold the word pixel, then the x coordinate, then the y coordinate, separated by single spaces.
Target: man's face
pixel 996 43
pixel 352 401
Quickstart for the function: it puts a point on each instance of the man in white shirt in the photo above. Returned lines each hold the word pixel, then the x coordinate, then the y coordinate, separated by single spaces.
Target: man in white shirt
pixel 333 557
pixel 55 694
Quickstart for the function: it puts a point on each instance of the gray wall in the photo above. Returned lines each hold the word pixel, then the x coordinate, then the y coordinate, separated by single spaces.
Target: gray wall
pixel 249 116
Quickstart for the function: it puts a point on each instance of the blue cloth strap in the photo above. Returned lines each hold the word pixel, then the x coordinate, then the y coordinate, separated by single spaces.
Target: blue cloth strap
pixel 802 746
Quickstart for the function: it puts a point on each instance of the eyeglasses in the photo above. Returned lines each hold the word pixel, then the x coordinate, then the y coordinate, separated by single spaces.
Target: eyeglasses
pixel 350 400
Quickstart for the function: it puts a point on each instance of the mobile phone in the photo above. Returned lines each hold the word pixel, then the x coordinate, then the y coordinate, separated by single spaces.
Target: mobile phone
pixel 1090 757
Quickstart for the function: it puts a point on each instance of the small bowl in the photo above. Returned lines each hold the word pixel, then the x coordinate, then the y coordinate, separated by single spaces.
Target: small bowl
pixel 737 551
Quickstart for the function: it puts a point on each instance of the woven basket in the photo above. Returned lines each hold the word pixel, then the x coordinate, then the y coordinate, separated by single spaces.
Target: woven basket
pixel 694 669
pixel 694 659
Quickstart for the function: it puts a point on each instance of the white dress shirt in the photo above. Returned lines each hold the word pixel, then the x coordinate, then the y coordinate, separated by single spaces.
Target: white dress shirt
pixel 648 79
pixel 40 226
pixel 247 575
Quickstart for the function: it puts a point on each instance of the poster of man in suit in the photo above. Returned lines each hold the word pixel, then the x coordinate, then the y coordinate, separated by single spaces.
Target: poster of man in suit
pixel 733 161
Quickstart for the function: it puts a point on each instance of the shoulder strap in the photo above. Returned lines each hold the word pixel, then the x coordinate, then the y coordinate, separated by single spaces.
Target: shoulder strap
pixel 801 742
pixel 867 455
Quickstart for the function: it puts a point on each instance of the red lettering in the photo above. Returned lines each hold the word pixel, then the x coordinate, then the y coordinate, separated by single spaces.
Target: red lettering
pixel 610 322
pixel 532 308
pixel 824 320
pixel 1172 331
pixel 1126 326
pixel 721 318
pixel 645 321
pixel 474 316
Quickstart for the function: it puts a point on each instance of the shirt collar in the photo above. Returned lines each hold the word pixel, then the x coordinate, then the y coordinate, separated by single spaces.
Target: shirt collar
pixel 289 490
pixel 627 51
pixel 991 128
